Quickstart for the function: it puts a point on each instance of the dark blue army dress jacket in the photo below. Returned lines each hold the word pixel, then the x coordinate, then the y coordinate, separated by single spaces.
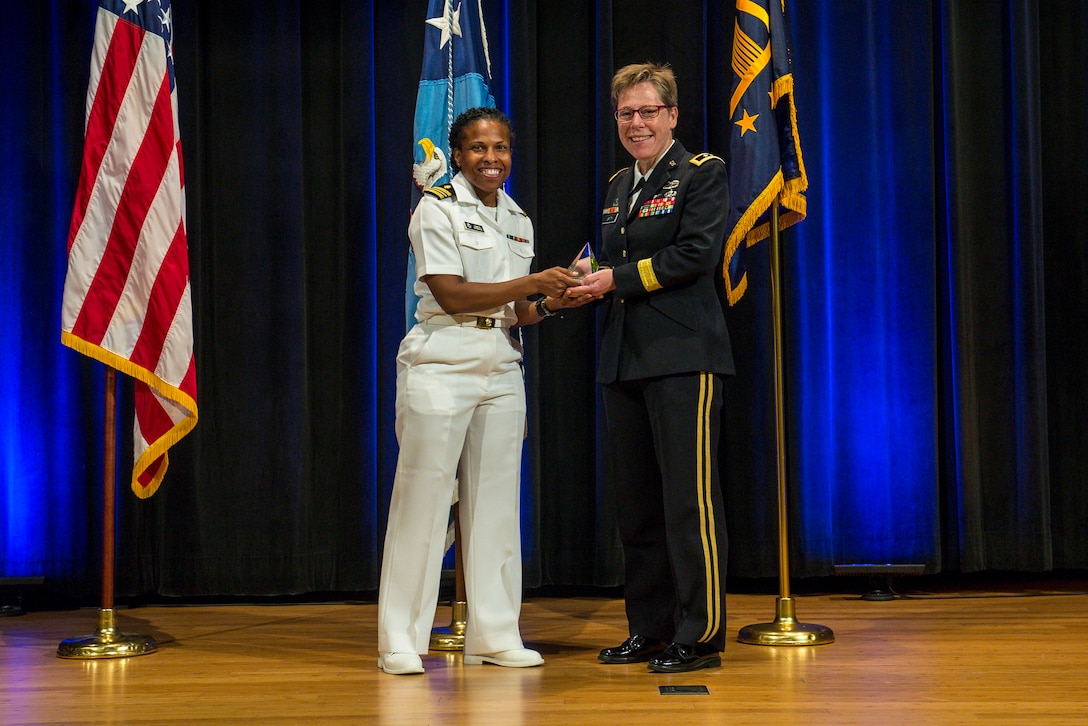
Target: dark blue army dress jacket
pixel 665 315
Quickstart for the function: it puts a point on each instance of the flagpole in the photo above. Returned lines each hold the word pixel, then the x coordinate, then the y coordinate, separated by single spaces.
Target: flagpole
pixel 106 642
pixel 784 630
pixel 453 637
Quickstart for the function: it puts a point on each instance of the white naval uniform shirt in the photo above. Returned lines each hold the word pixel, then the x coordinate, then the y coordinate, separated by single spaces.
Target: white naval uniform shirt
pixel 481 249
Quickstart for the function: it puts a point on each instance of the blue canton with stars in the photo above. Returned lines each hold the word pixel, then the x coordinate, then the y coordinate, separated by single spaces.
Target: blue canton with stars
pixel 154 16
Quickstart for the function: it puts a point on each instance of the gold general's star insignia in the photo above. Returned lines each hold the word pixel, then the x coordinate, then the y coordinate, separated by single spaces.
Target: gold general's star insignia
pixel 748 123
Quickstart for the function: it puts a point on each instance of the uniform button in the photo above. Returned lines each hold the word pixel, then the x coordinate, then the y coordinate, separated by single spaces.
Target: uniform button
pixel 625 253
pixel 623 230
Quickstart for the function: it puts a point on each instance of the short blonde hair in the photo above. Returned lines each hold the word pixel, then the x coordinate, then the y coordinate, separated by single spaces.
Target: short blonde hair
pixel 657 74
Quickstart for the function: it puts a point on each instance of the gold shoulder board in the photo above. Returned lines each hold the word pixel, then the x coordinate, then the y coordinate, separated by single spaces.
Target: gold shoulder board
pixel 443 192
pixel 699 159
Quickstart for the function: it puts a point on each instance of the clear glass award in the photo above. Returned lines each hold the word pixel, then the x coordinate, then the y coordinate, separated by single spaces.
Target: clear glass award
pixel 583 263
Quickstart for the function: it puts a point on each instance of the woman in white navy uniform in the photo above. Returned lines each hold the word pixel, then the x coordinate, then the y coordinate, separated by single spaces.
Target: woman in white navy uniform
pixel 461 400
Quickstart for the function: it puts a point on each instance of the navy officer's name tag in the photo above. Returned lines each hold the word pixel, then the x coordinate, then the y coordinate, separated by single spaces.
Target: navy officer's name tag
pixel 473 227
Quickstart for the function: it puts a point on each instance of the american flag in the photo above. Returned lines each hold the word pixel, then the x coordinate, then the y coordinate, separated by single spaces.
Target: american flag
pixel 127 300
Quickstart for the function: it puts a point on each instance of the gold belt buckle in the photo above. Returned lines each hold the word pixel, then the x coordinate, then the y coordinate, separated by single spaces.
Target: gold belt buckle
pixel 485 323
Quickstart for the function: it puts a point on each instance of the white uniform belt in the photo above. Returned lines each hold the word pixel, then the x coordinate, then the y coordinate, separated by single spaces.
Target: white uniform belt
pixel 467 321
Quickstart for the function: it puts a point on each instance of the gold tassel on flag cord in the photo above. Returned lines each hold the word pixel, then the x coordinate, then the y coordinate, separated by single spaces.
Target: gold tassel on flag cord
pixel 784 630
pixel 106 642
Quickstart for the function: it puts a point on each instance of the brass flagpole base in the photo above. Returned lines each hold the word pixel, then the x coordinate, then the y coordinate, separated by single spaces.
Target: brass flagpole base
pixel 106 642
pixel 453 637
pixel 785 630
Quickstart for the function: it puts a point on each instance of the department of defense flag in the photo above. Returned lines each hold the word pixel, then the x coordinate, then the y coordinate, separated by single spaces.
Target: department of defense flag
pixel 127 298
pixel 765 164
pixel 456 76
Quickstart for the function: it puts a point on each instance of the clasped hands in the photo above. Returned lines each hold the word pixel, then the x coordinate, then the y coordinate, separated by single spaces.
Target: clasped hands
pixel 594 285
pixel 564 290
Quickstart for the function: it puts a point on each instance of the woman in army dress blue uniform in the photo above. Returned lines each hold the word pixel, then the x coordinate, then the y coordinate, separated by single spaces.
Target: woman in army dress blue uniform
pixel 663 357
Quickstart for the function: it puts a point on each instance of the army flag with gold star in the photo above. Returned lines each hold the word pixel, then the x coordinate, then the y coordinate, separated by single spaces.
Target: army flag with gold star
pixel 765 164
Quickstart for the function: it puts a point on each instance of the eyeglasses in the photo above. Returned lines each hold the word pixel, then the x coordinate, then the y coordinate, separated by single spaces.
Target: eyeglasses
pixel 626 115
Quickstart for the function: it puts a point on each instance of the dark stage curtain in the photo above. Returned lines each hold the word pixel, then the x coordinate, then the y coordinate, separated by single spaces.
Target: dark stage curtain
pixel 934 312
pixel 1013 282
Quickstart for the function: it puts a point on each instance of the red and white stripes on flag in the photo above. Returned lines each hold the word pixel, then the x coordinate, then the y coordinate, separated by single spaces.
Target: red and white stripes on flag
pixel 127 300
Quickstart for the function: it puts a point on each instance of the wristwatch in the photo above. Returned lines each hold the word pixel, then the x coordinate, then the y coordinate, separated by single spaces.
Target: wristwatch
pixel 542 309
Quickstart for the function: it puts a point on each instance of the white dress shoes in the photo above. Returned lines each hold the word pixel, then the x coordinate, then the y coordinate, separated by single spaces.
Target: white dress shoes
pixel 517 658
pixel 400 664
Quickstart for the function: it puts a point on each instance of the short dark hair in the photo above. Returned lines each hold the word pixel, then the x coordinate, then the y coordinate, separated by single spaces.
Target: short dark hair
pixel 471 116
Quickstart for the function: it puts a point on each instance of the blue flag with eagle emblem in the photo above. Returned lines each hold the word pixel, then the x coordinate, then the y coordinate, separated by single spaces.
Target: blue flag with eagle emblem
pixel 456 76
pixel 765 164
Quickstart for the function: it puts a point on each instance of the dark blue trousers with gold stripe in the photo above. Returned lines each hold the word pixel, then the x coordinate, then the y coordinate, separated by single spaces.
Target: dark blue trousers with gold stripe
pixel 663 442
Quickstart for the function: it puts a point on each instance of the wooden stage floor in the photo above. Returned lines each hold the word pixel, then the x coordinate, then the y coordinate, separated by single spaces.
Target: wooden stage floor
pixel 958 657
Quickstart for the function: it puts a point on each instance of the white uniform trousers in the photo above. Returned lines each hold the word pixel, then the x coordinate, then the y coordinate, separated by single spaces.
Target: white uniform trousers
pixel 460 398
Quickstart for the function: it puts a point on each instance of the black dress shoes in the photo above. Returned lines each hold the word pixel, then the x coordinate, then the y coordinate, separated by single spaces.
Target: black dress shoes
pixel 681 658
pixel 636 649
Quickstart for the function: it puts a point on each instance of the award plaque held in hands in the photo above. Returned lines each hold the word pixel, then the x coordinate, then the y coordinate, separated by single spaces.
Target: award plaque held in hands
pixel 583 263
